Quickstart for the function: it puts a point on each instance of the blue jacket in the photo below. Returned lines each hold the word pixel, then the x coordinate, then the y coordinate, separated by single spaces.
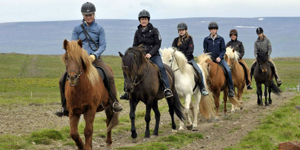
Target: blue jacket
pixel 97 34
pixel 215 47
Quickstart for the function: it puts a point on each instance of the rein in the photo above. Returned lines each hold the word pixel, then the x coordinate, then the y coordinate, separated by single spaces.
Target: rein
pixel 135 78
pixel 172 61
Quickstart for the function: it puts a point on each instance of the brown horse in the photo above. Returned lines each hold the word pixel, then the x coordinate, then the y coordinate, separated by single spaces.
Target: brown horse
pixel 85 92
pixel 237 71
pixel 142 83
pixel 216 81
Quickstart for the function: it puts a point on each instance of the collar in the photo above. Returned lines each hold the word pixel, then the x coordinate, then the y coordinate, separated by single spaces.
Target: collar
pixel 209 37
pixel 85 24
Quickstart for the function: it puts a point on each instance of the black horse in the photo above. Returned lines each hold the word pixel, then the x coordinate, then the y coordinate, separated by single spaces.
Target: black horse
pixel 263 74
pixel 142 83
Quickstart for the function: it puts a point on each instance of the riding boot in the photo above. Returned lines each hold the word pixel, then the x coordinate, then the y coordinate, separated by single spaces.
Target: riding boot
pixel 117 107
pixel 64 111
pixel 273 68
pixel 168 93
pixel 125 96
pixel 201 85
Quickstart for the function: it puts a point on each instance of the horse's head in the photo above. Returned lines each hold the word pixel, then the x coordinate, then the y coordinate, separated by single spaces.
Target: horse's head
pixel 231 57
pixel 77 61
pixel 132 62
pixel 262 61
pixel 174 58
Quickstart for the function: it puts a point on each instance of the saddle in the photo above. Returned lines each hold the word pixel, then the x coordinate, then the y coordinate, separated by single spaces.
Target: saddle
pixel 103 75
pixel 197 78
pixel 223 68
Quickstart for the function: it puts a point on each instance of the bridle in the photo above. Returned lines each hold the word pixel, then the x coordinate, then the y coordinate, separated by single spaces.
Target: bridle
pixel 172 61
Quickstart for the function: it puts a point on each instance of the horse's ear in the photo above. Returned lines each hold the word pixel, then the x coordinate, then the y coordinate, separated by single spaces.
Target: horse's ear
pixel 79 42
pixel 65 44
pixel 121 55
pixel 233 50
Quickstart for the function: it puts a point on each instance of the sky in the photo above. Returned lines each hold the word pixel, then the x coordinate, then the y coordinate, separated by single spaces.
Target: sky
pixel 55 10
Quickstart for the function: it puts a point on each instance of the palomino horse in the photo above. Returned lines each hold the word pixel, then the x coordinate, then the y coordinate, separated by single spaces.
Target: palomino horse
pixel 264 75
pixel 216 81
pixel 237 71
pixel 187 86
pixel 85 92
pixel 142 83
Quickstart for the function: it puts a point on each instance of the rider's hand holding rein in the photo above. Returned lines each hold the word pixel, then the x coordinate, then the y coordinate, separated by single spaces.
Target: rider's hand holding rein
pixel 148 56
pixel 92 58
pixel 218 59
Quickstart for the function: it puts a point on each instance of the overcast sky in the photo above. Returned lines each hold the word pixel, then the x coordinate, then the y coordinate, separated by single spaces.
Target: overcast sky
pixel 52 10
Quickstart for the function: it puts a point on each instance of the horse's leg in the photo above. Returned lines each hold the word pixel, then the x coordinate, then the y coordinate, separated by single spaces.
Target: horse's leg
pixel 239 95
pixel 259 94
pixel 188 100
pixel 171 112
pixel 266 95
pixel 217 104
pixel 132 105
pixel 157 117
pixel 89 117
pixel 74 131
pixel 196 111
pixel 147 119
pixel 111 121
pixel 270 91
pixel 225 96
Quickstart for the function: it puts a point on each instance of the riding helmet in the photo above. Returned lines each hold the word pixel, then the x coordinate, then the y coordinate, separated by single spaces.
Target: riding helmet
pixel 233 32
pixel 144 14
pixel 88 8
pixel 182 26
pixel 213 25
pixel 259 30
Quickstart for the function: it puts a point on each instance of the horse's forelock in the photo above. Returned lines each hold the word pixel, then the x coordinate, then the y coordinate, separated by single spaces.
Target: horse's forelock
pixel 133 59
pixel 232 55
pixel 262 56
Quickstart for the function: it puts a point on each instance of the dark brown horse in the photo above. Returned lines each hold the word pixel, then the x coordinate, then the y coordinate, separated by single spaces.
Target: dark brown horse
pixel 142 82
pixel 264 75
pixel 216 81
pixel 85 92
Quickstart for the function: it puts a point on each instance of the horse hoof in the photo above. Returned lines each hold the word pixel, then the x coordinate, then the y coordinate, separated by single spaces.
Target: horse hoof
pixel 181 128
pixel 195 129
pixel 134 140
pixel 241 108
pixel 225 115
pixel 146 139
pixel 189 127
pixel 217 119
pixel 232 111
pixel 174 131
pixel 209 120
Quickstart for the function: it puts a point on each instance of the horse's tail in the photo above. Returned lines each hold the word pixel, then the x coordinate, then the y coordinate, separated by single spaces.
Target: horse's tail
pixel 176 105
pixel 275 88
pixel 235 102
pixel 206 106
pixel 112 119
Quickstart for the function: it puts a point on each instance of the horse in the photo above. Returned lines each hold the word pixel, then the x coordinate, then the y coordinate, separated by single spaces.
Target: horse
pixel 264 75
pixel 187 87
pixel 238 73
pixel 85 92
pixel 143 83
pixel 217 82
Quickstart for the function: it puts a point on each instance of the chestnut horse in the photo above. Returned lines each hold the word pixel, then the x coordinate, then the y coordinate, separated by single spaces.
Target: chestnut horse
pixel 216 81
pixel 142 83
pixel 85 92
pixel 237 71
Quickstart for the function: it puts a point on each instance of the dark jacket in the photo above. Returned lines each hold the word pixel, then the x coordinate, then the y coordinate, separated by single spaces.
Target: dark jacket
pixel 149 37
pixel 187 47
pixel 263 45
pixel 237 46
pixel 215 47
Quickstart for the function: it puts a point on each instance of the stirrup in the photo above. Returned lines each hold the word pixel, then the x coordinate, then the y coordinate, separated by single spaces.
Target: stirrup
pixel 113 106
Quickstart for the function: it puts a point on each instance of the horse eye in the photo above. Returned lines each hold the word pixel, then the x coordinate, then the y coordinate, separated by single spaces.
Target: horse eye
pixel 170 60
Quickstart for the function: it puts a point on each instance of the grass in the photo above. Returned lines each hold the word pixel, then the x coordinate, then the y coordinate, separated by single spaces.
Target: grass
pixel 281 126
pixel 27 79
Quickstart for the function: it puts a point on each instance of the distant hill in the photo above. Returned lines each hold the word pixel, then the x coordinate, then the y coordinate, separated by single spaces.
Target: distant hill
pixel 47 37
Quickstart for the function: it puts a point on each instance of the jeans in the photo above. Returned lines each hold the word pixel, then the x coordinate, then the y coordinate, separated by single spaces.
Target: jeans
pixel 229 76
pixel 194 64
pixel 157 60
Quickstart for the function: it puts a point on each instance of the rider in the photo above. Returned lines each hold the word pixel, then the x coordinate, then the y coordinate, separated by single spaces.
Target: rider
pixel 148 37
pixel 215 45
pixel 184 43
pixel 239 47
pixel 263 44
pixel 94 43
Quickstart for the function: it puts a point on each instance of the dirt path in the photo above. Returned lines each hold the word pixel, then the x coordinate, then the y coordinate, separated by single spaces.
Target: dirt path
pixel 16 120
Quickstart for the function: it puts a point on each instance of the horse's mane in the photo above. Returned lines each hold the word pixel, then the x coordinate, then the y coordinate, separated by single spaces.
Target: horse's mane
pixel 232 54
pixel 79 55
pixel 179 57
pixel 202 61
pixel 133 59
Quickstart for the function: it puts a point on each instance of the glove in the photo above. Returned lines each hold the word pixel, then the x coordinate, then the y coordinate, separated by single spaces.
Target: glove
pixel 92 58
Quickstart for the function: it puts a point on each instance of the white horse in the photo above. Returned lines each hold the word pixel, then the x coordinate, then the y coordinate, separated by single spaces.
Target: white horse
pixel 186 86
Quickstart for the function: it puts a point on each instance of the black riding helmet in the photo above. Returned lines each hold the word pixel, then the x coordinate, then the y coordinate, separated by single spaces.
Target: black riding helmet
pixel 213 25
pixel 233 32
pixel 182 26
pixel 144 14
pixel 259 30
pixel 88 8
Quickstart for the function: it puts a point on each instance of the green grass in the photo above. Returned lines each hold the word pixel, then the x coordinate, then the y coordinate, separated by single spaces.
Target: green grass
pixel 281 126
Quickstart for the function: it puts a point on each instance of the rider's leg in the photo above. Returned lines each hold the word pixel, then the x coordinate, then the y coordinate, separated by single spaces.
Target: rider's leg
pixel 229 78
pixel 157 60
pixel 64 111
pixel 201 83
pixel 247 73
pixel 279 82
pixel 112 87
